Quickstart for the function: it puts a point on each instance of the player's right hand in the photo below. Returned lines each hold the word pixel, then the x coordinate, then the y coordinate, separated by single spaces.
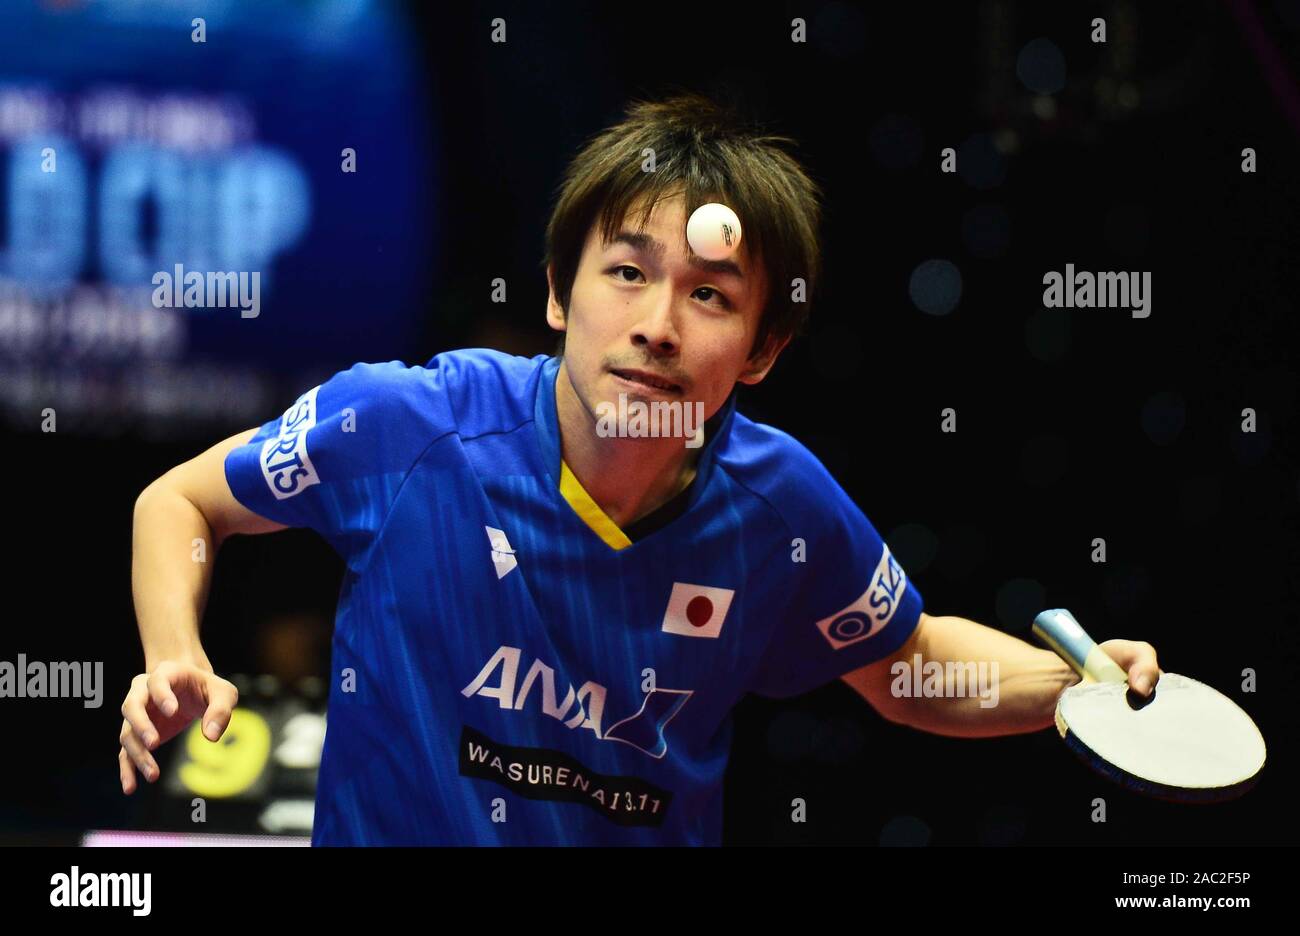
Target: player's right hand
pixel 160 705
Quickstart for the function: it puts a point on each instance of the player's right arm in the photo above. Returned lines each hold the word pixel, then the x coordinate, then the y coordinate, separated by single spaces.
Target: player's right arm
pixel 331 463
pixel 180 522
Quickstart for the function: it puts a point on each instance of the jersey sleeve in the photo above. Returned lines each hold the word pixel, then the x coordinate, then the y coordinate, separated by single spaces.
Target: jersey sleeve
pixel 851 601
pixel 336 458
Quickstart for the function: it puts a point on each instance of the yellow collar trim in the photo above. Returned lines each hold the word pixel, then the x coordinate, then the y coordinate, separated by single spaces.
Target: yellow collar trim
pixel 587 509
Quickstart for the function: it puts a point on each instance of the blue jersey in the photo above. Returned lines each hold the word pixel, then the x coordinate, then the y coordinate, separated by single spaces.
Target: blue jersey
pixel 508 668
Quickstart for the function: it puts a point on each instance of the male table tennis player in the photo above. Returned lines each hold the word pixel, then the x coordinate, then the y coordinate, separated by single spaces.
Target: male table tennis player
pixel 542 627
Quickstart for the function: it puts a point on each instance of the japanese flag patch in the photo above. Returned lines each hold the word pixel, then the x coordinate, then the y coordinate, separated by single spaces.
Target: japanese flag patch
pixel 697 610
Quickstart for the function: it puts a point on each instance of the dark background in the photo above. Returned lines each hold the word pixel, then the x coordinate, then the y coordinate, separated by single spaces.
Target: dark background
pixel 1072 424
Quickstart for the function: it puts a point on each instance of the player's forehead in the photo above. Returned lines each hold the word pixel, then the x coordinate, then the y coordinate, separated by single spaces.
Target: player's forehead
pixel 663 234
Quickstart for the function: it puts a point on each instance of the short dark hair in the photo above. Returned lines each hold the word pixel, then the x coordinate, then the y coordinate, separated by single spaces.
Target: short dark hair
pixel 708 153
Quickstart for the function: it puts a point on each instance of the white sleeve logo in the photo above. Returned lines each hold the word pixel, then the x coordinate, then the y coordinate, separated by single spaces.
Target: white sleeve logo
pixel 285 464
pixel 872 611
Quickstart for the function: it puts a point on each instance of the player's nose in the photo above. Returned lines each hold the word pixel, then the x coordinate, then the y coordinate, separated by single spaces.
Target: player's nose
pixel 657 328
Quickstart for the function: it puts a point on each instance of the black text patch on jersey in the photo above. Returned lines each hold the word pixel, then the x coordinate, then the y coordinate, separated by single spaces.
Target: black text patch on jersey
pixel 544 774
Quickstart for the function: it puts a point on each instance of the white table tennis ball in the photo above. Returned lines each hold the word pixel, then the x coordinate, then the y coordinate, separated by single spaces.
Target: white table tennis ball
pixel 713 231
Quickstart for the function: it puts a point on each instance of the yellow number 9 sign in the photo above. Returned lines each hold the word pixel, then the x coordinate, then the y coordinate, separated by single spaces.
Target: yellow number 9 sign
pixel 231 765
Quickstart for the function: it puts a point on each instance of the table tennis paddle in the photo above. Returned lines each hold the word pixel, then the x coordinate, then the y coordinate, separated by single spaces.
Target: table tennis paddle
pixel 1185 742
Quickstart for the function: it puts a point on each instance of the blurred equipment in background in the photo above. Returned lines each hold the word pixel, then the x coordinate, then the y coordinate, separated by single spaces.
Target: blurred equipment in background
pixel 260 777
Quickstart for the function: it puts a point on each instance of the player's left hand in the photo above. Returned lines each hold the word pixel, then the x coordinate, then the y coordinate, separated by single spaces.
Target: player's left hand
pixel 1138 659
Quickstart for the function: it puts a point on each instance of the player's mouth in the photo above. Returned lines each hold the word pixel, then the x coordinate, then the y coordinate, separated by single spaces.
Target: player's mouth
pixel 646 381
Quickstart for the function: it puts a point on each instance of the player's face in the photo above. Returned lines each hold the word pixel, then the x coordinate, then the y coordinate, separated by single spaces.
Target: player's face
pixel 646 302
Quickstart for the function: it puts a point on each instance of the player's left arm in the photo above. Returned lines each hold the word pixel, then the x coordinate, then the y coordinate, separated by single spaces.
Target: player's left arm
pixel 992 683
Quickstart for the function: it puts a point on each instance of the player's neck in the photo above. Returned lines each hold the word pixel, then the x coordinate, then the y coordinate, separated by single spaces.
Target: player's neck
pixel 627 478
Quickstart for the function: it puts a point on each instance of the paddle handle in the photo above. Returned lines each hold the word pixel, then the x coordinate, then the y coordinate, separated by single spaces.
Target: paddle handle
pixel 1060 631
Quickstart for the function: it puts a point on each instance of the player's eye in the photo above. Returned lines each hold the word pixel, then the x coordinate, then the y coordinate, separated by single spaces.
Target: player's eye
pixel 616 270
pixel 721 300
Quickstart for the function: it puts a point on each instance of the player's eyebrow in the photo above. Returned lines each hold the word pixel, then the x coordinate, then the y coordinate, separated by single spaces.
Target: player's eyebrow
pixel 647 244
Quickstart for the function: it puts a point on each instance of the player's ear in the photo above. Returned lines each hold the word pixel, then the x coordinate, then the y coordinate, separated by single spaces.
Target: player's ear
pixel 554 311
pixel 759 364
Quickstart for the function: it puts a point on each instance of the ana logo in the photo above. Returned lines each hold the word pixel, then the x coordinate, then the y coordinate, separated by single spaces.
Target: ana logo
pixel 872 611
pixel 285 464
pixel 696 610
pixel 503 557
pixel 581 708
